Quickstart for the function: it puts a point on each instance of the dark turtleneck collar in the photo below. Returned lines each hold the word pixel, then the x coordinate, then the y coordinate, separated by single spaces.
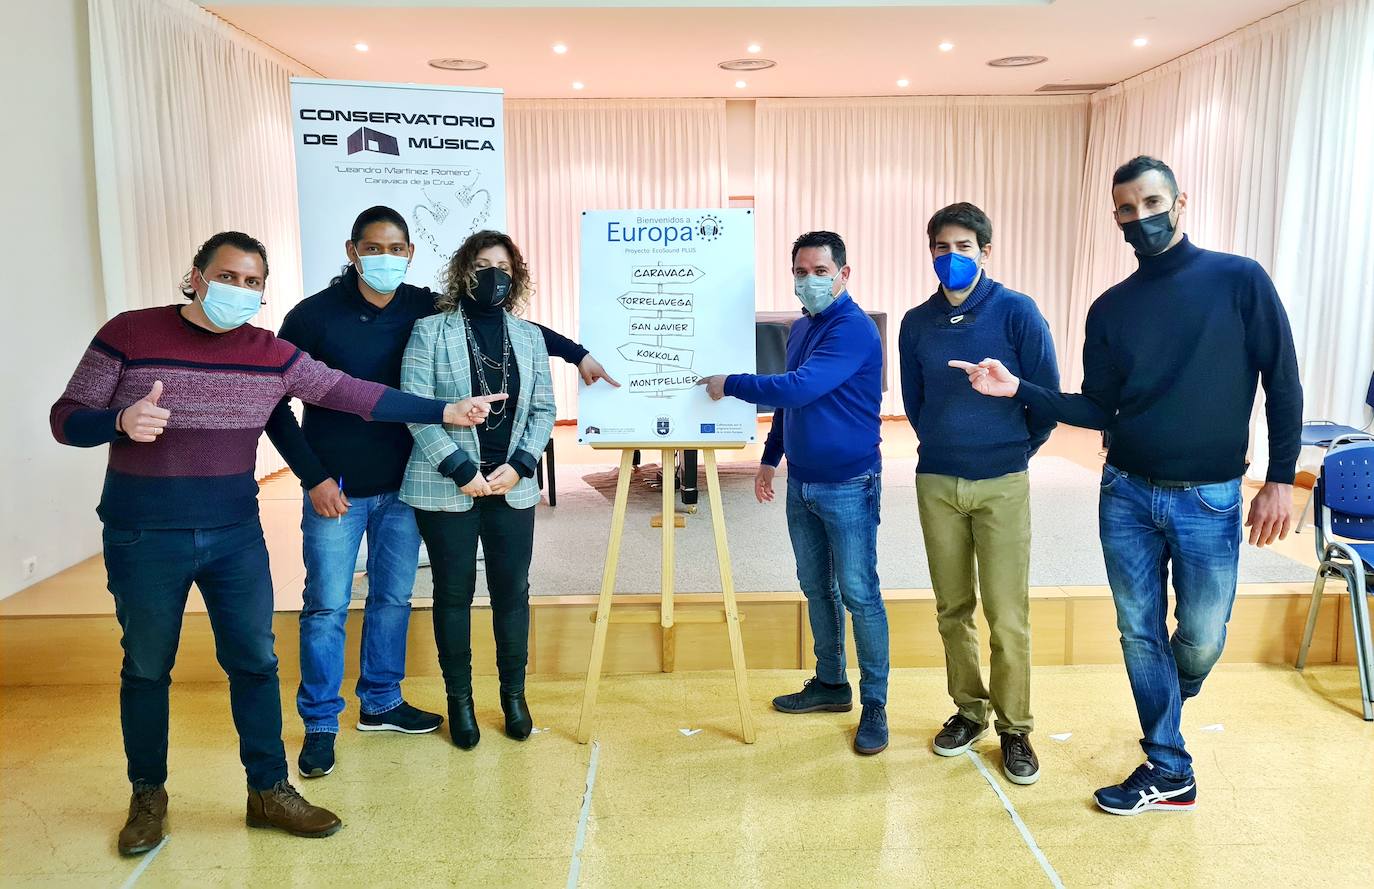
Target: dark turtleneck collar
pixel 479 313
pixel 1170 261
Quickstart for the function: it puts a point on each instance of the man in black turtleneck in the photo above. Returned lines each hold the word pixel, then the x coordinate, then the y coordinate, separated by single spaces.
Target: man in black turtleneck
pixel 1171 361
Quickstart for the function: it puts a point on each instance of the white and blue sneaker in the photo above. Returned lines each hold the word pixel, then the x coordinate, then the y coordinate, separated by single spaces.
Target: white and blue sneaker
pixel 1146 789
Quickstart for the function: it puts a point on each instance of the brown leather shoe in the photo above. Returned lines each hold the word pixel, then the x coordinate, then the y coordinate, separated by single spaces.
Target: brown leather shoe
pixel 143 830
pixel 282 806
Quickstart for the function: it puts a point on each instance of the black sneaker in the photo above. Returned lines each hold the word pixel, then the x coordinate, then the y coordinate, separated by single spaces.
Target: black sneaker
pixel 957 736
pixel 401 718
pixel 1019 762
pixel 317 756
pixel 816 696
pixel 871 737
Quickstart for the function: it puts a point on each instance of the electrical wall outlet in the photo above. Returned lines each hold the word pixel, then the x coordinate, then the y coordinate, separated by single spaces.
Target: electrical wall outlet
pixel 30 567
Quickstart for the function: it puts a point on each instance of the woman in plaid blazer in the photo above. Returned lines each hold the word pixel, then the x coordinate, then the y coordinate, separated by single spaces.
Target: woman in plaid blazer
pixel 466 483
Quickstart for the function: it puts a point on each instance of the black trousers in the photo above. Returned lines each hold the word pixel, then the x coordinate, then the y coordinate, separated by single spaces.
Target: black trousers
pixel 507 536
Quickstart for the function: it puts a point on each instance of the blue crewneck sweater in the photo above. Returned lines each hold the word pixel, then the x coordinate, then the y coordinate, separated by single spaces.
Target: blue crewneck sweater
pixel 962 433
pixel 1171 359
pixel 829 398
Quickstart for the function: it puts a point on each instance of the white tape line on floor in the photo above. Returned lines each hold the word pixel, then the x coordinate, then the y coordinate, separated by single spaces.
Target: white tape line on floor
pixel 575 869
pixel 143 865
pixel 1016 819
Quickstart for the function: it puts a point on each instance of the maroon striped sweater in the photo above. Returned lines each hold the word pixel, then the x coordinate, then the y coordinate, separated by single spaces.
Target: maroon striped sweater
pixel 220 389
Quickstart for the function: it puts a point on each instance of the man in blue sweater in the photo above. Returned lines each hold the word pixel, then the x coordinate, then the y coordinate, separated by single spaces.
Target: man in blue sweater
pixel 1171 361
pixel 972 486
pixel 827 423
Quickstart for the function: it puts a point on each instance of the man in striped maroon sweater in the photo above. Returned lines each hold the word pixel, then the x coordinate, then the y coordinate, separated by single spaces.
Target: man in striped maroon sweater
pixel 181 395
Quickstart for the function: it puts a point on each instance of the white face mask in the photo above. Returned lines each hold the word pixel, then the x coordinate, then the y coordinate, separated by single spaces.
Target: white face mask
pixel 814 292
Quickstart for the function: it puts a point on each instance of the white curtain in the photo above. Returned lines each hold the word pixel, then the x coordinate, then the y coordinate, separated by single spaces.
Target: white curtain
pixel 566 156
pixel 875 170
pixel 192 128
pixel 1269 132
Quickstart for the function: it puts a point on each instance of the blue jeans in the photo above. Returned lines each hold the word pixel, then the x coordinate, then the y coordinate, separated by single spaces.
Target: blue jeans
pixel 150 573
pixel 1144 528
pixel 834 531
pixel 331 553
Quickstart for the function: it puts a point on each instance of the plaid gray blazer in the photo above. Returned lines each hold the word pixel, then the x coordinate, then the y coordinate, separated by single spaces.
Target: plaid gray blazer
pixel 437 365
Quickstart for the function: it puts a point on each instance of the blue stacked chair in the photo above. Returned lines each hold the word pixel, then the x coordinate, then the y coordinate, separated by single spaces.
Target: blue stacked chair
pixel 1344 499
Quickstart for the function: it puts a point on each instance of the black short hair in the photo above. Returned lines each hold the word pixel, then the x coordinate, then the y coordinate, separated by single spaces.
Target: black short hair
pixel 964 215
pixel 1138 166
pixel 201 261
pixel 822 239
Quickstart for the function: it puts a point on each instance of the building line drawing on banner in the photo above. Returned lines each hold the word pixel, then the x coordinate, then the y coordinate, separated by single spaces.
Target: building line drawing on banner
pixel 672 365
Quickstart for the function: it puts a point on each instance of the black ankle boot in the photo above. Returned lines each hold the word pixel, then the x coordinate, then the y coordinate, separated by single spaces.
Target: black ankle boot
pixel 462 720
pixel 518 719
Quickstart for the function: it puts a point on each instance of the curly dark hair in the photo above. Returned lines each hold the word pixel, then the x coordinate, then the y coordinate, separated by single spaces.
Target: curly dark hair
pixel 246 243
pixel 460 277
pixel 964 215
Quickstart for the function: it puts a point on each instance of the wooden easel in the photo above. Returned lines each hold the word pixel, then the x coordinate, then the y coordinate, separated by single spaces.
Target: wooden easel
pixel 666 619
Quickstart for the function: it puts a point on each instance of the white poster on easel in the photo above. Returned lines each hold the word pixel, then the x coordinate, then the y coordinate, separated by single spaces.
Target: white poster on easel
pixel 435 154
pixel 667 297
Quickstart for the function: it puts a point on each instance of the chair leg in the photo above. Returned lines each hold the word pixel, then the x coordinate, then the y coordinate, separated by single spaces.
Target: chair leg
pixel 1364 650
pixel 1306 510
pixel 1318 586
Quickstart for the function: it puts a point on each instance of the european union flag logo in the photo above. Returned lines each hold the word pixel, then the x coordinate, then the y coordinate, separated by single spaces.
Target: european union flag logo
pixel 708 427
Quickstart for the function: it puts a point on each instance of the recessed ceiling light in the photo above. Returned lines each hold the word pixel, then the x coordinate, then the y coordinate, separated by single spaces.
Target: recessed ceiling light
pixel 754 47
pixel 458 64
pixel 1140 41
pixel 746 64
pixel 577 84
pixel 1017 61
pixel 740 84
pixel 946 46
pixel 560 48
pixel 360 47
pixel 904 83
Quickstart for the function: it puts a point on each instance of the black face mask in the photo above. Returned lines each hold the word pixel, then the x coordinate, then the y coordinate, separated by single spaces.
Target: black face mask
pixel 1149 236
pixel 492 290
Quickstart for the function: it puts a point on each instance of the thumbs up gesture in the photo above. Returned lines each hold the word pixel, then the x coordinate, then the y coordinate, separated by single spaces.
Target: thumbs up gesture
pixel 144 420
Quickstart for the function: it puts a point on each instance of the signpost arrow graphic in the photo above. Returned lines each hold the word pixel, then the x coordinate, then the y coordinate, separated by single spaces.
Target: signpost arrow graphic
pixel 665 356
pixel 651 301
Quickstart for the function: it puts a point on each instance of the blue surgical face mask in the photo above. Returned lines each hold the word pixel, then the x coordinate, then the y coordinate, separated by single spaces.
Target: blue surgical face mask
pixel 816 292
pixel 956 271
pixel 228 306
pixel 383 272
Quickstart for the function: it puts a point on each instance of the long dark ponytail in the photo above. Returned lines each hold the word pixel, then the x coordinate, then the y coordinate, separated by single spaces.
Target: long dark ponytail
pixel 368 217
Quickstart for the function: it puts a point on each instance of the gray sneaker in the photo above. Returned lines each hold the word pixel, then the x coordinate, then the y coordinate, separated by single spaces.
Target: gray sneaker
pixel 815 697
pixel 957 736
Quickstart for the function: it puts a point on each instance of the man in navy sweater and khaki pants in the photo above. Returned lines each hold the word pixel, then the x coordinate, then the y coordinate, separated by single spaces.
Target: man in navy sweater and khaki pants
pixel 827 423
pixel 1171 359
pixel 972 485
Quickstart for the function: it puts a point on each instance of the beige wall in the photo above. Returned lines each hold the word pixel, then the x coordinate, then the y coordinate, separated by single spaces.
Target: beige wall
pixel 50 279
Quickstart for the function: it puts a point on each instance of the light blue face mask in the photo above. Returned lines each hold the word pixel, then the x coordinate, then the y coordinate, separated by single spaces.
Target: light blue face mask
pixel 228 306
pixel 383 272
pixel 815 292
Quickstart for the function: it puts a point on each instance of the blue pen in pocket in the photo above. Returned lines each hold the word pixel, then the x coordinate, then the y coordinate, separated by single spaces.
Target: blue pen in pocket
pixel 340 517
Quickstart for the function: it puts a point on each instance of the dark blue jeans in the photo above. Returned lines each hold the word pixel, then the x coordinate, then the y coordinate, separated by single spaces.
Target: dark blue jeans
pixel 1144 530
pixel 150 574
pixel 834 531
pixel 331 554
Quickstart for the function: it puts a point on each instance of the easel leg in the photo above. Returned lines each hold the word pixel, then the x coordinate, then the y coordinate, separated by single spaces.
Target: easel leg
pixel 669 564
pixel 603 605
pixel 727 589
